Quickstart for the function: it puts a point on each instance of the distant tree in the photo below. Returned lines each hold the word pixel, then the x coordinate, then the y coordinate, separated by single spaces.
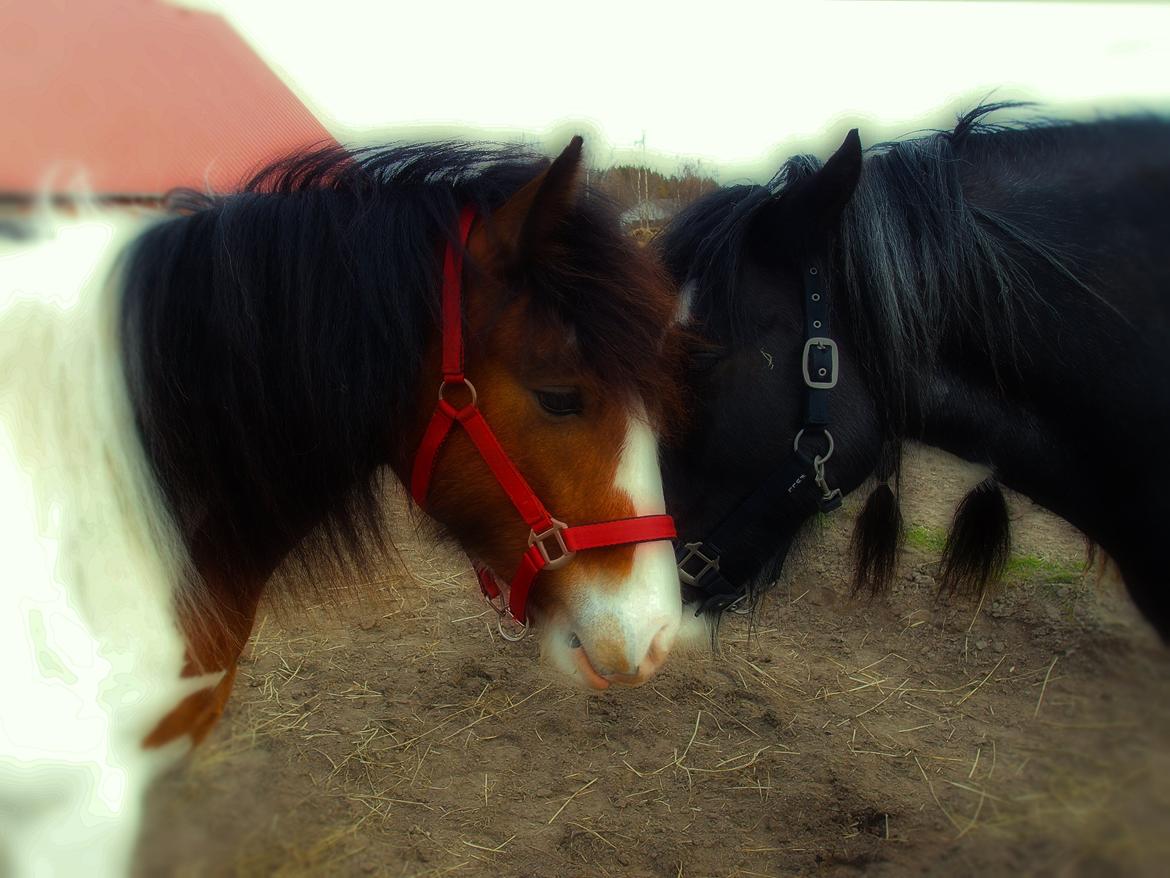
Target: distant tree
pixel 636 186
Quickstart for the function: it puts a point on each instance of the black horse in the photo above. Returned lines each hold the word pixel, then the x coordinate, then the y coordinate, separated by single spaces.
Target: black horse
pixel 1001 292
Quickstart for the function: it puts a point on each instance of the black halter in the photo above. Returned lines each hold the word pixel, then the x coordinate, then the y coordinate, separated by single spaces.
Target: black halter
pixel 798 486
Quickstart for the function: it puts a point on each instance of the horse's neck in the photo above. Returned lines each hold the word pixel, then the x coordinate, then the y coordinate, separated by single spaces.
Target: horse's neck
pixel 1074 409
pixel 1027 447
pixel 1074 417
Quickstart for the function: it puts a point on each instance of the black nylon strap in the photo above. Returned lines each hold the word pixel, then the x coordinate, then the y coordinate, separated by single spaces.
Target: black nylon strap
pixel 788 484
pixel 792 487
pixel 820 362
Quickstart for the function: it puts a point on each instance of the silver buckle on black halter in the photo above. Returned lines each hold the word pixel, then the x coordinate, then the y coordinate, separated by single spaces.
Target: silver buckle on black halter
pixel 695 550
pixel 821 382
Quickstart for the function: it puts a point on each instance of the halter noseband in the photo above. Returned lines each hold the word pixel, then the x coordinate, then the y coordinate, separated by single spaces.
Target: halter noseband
pixel 551 543
pixel 798 487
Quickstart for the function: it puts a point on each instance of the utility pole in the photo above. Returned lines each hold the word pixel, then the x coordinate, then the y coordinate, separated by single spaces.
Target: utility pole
pixel 643 184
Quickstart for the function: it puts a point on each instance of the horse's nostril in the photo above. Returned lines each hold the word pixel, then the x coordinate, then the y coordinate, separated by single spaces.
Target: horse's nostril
pixel 574 641
pixel 660 645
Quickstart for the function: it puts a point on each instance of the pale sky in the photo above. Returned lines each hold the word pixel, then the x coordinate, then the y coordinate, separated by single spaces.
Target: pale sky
pixel 738 84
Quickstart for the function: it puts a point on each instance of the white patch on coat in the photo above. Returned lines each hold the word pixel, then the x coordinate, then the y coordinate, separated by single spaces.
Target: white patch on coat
pixel 89 644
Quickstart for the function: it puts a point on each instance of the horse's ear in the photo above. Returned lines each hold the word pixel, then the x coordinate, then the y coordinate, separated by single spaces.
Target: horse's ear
pixel 522 225
pixel 811 208
pixel 835 183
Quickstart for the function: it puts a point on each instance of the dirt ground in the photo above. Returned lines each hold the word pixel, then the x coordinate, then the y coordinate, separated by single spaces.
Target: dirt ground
pixel 904 736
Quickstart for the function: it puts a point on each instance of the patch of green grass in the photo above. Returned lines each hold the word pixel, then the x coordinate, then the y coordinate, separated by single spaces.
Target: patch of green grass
pixel 931 539
pixel 1030 567
pixel 1051 572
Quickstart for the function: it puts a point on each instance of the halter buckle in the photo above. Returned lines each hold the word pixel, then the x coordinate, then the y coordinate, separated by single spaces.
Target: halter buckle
pixel 695 550
pixel 820 343
pixel 564 554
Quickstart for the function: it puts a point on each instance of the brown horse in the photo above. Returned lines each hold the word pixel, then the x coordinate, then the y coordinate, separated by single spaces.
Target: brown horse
pixel 236 396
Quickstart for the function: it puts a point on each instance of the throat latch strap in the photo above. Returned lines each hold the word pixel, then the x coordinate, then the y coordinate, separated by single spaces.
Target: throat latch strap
pixel 551 543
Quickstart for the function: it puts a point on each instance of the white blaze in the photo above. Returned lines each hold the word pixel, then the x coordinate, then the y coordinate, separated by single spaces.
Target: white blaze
pixel 635 610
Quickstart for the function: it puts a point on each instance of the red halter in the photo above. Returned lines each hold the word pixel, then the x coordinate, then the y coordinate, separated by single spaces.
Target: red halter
pixel 543 528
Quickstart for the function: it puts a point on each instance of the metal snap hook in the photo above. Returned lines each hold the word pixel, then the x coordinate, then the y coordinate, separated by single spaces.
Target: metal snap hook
pixel 497 603
pixel 510 628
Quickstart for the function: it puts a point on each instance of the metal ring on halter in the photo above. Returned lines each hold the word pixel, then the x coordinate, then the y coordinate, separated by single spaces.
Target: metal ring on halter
pixel 516 624
pixel 740 606
pixel 464 382
pixel 519 630
pixel 817 458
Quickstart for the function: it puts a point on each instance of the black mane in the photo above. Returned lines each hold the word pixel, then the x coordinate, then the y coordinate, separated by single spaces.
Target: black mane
pixel 921 261
pixel 272 337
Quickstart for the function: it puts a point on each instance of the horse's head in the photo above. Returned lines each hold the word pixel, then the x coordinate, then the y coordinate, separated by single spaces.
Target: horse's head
pixel 741 258
pixel 566 346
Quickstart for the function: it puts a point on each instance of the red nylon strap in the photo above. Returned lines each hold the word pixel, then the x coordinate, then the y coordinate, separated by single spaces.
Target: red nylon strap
pixel 622 532
pixel 487 581
pixel 493 454
pixel 531 563
pixel 424 461
pixel 452 306
pixel 518 491
pixel 645 529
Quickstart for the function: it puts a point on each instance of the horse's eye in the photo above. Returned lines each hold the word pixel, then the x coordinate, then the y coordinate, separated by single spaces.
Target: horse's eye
pixel 704 360
pixel 560 401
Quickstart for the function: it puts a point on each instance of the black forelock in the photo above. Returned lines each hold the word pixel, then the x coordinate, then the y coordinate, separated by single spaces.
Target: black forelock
pixel 616 300
pixel 703 245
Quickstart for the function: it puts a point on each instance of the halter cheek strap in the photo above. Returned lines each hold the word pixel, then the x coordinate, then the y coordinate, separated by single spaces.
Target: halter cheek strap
pixel 551 543
pixel 794 490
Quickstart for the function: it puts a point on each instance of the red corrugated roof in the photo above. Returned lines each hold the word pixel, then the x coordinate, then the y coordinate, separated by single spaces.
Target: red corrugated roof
pixel 142 95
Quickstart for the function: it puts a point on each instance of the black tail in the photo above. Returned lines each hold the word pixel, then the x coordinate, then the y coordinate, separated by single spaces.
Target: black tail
pixel 877 537
pixel 979 544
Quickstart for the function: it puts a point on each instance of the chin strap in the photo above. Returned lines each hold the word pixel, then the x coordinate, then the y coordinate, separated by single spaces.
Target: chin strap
pixel 551 543
pixel 797 488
